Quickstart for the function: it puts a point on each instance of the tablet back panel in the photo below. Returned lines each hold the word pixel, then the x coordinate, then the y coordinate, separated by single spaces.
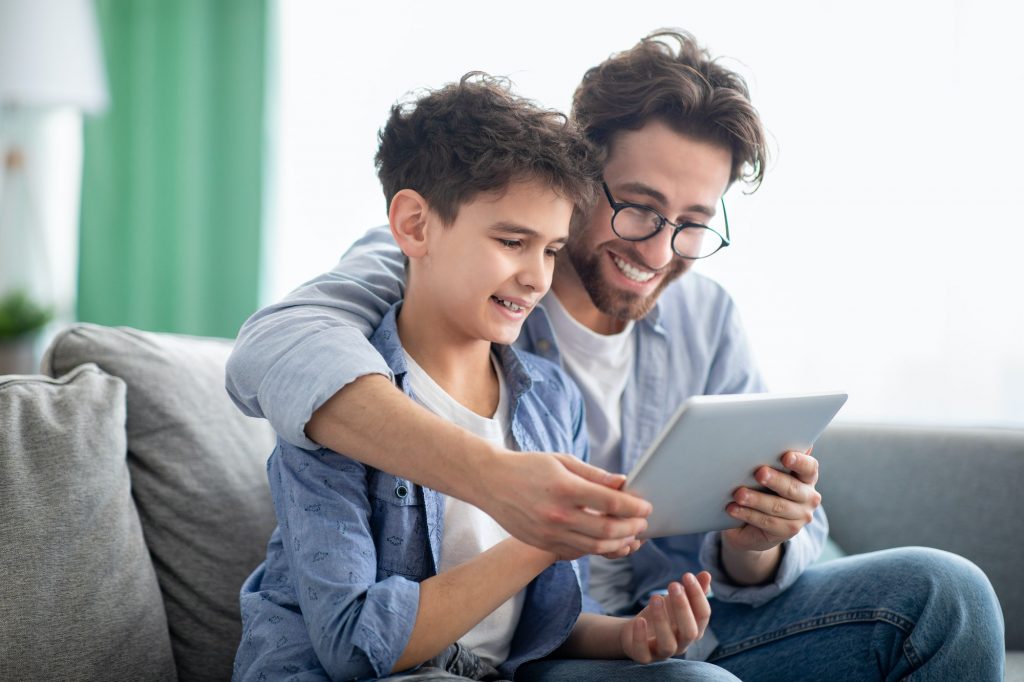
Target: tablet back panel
pixel 713 445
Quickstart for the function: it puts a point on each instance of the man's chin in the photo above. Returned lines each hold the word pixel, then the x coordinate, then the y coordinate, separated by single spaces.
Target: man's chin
pixel 622 305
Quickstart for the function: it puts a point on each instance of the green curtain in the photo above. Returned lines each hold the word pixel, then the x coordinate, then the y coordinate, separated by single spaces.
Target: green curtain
pixel 173 172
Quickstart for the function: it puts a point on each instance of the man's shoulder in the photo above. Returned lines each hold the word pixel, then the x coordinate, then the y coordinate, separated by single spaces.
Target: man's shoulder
pixel 693 300
pixel 695 287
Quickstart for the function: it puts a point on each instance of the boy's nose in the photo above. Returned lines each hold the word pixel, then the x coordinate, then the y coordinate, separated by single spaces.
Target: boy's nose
pixel 535 273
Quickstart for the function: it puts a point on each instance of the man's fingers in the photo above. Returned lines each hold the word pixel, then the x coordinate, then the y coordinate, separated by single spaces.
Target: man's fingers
pixel 803 465
pixel 788 486
pixel 590 472
pixel 773 526
pixel 773 505
pixel 599 491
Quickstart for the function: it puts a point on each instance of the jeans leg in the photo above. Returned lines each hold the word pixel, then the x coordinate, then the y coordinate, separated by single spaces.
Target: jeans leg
pixel 589 670
pixel 910 613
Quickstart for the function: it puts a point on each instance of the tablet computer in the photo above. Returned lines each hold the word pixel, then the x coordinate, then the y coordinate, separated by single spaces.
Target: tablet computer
pixel 713 445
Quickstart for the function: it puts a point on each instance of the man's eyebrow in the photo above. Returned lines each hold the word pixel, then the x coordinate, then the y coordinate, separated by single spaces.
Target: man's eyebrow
pixel 662 200
pixel 515 228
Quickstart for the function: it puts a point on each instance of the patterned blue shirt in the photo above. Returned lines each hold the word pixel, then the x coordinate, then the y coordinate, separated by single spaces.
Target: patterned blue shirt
pixel 339 590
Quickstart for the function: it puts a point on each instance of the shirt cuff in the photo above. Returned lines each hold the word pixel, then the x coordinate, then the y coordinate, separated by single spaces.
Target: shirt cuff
pixel 798 553
pixel 310 374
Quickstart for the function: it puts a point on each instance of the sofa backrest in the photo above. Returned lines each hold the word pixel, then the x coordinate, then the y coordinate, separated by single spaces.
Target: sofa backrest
pixel 956 489
pixel 198 477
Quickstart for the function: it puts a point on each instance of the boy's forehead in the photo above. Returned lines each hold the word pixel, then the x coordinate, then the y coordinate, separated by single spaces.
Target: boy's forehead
pixel 521 207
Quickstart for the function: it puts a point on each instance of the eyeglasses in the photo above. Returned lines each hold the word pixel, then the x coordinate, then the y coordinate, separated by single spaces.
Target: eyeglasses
pixel 636 222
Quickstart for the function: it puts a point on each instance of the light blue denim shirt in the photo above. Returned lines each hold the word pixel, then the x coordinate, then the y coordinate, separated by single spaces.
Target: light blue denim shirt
pixel 339 591
pixel 292 356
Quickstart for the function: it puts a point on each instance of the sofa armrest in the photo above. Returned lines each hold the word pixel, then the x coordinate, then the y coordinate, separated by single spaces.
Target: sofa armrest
pixel 956 489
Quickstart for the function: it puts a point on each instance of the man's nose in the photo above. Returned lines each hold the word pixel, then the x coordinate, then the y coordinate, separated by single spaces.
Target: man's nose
pixel 657 251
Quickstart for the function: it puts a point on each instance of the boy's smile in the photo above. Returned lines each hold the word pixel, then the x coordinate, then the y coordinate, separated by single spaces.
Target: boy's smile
pixel 479 277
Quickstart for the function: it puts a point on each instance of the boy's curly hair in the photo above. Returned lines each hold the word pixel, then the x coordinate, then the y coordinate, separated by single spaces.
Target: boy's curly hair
pixel 476 136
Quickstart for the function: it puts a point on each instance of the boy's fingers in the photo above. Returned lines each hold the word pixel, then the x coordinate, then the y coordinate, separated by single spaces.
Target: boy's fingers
pixel 704 578
pixel 664 638
pixel 699 606
pixel 683 612
pixel 640 649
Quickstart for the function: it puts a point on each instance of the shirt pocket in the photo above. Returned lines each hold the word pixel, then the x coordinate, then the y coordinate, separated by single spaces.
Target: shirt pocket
pixel 398 524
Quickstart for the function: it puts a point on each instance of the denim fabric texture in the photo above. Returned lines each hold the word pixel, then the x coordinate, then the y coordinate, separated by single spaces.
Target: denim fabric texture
pixel 919 613
pixel 339 590
pixel 294 355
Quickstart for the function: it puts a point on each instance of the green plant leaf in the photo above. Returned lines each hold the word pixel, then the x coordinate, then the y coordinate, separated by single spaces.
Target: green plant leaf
pixel 20 315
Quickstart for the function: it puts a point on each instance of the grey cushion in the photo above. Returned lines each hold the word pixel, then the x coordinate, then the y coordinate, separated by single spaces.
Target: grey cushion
pixel 953 489
pixel 198 470
pixel 79 598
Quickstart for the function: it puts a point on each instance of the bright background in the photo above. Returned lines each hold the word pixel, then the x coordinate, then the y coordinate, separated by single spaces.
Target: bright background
pixel 882 254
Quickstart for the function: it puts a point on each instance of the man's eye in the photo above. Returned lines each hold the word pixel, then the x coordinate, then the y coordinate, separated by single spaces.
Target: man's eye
pixel 510 243
pixel 551 253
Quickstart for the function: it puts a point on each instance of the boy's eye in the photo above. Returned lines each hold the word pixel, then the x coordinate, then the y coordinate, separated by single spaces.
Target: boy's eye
pixel 551 253
pixel 510 243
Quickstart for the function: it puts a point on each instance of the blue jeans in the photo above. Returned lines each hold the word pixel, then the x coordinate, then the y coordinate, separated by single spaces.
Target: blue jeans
pixel 912 613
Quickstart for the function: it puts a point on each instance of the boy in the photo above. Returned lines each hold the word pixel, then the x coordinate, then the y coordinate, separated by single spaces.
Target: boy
pixel 368 574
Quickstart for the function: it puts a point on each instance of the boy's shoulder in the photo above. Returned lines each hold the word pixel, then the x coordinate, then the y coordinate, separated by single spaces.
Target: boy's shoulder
pixel 549 379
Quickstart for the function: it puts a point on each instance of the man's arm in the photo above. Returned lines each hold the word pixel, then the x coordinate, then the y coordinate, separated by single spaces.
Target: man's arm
pixel 306 366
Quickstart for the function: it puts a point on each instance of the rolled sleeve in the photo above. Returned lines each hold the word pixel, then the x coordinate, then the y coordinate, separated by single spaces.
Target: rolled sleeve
pixel 292 356
pixel 797 554
pixel 306 377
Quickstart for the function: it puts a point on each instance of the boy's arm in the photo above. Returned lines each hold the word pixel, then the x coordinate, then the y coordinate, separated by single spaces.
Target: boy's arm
pixel 306 366
pixel 453 602
pixel 359 625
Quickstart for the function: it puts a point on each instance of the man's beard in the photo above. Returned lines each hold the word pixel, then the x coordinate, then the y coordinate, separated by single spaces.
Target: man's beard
pixel 610 300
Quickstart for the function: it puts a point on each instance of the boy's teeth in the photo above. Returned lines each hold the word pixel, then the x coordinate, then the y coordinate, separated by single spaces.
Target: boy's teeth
pixel 511 306
pixel 632 273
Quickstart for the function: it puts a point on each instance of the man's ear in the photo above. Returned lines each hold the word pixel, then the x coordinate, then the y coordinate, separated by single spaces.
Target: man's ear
pixel 408 217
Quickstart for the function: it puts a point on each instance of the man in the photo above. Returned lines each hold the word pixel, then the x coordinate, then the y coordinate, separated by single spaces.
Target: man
pixel 639 337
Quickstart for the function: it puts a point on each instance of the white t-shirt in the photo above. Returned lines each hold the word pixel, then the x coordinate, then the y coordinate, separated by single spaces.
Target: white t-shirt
pixel 601 365
pixel 469 531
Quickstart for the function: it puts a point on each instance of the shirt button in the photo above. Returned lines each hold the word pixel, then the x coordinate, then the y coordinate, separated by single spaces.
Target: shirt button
pixel 543 345
pixel 401 490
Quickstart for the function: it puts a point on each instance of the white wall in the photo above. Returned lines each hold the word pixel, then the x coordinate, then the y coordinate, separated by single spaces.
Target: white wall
pixel 882 254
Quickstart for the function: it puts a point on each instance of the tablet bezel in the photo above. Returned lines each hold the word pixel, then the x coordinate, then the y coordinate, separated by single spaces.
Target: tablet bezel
pixel 722 440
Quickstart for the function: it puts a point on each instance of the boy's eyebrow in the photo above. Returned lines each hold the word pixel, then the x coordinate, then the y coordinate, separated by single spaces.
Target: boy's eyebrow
pixel 514 228
pixel 647 190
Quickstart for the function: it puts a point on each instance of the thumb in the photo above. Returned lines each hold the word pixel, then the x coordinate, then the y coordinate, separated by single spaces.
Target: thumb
pixel 591 473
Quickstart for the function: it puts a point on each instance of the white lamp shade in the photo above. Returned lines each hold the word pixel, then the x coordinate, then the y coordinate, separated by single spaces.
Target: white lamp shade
pixel 50 55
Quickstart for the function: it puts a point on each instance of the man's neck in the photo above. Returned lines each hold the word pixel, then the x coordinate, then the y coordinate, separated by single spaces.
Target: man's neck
pixel 462 367
pixel 573 296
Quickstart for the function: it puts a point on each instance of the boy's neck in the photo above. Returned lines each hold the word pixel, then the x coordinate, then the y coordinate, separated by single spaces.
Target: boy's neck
pixel 460 366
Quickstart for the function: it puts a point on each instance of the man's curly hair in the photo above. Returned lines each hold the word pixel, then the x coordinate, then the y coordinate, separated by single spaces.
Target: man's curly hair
pixel 476 136
pixel 668 76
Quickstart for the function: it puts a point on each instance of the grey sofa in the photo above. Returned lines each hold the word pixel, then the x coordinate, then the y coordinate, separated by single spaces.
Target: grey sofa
pixel 133 502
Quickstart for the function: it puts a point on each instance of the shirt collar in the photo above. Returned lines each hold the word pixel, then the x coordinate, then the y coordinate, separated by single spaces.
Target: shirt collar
pixel 520 374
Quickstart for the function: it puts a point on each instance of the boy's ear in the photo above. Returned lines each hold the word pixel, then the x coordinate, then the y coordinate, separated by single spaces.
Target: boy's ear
pixel 408 218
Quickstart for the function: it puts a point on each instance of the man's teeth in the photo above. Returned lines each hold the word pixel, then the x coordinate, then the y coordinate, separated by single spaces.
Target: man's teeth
pixel 508 304
pixel 632 273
